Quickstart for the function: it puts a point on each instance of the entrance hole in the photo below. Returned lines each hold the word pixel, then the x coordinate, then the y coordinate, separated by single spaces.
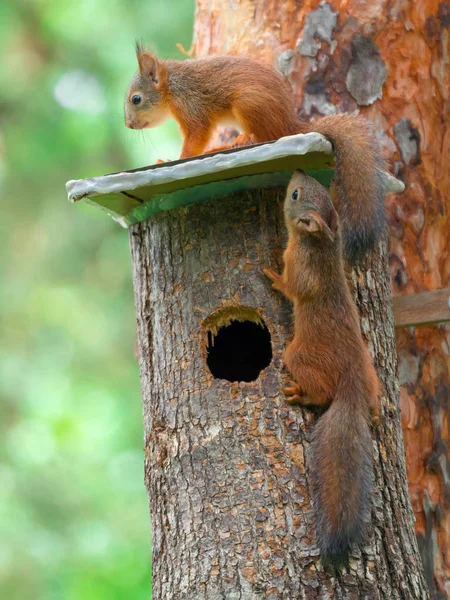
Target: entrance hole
pixel 238 344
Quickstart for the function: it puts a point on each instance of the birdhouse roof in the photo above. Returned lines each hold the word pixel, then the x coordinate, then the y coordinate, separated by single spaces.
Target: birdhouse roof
pixel 133 196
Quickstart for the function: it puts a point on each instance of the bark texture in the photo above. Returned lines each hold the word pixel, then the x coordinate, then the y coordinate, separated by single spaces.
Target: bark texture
pixel 227 464
pixel 390 60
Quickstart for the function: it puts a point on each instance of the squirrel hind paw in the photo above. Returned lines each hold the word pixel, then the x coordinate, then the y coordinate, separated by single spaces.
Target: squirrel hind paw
pixel 375 420
pixel 294 394
pixel 294 399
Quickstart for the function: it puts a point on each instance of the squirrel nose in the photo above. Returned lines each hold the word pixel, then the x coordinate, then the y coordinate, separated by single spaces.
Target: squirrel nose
pixel 129 124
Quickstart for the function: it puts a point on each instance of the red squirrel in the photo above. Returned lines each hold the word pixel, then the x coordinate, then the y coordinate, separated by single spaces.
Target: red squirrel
pixel 202 93
pixel 330 365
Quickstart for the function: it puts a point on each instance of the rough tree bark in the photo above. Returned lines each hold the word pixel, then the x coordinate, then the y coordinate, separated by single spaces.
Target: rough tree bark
pixel 389 59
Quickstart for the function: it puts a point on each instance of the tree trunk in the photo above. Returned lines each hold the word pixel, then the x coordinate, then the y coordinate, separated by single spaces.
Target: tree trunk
pixel 389 59
pixel 227 464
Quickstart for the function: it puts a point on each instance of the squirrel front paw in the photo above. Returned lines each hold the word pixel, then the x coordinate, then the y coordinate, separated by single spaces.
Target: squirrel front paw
pixel 277 280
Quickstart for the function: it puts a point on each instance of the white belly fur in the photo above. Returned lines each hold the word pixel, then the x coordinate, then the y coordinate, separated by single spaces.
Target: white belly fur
pixel 229 120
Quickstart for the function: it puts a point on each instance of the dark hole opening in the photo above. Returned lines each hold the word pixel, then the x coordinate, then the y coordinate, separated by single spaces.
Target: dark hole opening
pixel 239 351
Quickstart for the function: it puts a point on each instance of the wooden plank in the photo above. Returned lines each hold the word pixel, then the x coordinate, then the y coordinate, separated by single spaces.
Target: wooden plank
pixel 422 309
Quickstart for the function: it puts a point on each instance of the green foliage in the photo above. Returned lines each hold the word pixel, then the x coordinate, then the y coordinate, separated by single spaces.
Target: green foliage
pixel 73 509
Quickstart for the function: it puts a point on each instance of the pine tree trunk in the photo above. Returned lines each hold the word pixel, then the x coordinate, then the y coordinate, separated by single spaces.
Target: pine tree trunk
pixel 390 60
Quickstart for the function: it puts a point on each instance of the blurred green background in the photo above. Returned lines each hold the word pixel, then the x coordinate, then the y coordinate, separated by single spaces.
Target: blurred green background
pixel 74 518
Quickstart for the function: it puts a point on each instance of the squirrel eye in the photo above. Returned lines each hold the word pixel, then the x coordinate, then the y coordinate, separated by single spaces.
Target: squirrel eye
pixel 295 195
pixel 136 99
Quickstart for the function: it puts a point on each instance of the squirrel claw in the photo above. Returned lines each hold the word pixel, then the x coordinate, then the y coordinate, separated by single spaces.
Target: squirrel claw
pixel 375 421
pixel 294 394
pixel 296 399
pixel 270 274
pixel 274 277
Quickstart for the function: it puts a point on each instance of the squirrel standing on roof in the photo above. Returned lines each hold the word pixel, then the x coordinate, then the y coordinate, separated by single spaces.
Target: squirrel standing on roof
pixel 202 93
pixel 330 365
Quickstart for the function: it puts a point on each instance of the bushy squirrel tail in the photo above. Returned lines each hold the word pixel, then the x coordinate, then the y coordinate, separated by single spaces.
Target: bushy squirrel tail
pixel 342 468
pixel 360 187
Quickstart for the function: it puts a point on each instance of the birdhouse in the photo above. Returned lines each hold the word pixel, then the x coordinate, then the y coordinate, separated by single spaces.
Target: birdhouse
pixel 224 453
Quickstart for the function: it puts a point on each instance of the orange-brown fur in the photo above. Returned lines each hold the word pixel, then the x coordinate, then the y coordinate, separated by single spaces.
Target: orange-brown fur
pixel 205 92
pixel 330 365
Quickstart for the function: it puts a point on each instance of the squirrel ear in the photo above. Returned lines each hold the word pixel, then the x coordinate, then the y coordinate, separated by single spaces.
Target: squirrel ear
pixel 333 223
pixel 148 65
pixel 313 222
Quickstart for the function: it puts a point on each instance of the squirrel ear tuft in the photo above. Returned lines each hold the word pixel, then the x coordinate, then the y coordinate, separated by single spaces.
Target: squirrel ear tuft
pixel 148 64
pixel 139 45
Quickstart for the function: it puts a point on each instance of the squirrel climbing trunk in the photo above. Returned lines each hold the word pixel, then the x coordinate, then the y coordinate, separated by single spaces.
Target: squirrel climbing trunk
pixel 330 366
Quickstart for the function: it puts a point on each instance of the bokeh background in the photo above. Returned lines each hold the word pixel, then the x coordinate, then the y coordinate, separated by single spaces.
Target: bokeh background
pixel 74 518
